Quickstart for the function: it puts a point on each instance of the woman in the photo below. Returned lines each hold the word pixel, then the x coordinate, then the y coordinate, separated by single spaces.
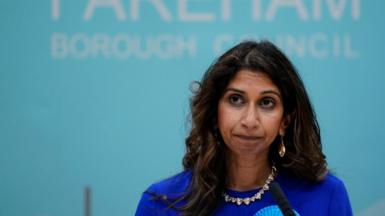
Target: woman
pixel 252 124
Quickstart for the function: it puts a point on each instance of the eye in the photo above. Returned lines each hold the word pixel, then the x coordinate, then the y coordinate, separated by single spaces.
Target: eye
pixel 236 100
pixel 267 102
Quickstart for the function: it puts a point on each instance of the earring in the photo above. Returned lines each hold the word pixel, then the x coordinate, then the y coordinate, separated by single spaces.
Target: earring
pixel 282 148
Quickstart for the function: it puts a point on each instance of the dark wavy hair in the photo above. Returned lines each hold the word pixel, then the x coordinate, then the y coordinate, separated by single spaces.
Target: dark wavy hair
pixel 205 158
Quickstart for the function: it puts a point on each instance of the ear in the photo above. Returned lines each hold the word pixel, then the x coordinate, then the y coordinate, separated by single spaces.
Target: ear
pixel 284 124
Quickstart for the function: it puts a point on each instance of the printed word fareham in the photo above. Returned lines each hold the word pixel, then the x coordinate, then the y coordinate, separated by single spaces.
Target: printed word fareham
pixel 185 10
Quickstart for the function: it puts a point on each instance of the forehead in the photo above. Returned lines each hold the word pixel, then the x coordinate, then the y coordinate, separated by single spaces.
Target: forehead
pixel 252 80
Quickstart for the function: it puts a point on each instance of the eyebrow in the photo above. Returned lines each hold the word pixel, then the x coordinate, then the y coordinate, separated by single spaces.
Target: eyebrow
pixel 263 92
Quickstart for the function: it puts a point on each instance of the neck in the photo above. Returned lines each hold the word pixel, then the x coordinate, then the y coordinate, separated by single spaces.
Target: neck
pixel 247 172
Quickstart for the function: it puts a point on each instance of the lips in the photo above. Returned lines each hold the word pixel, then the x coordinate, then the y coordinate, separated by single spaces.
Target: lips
pixel 247 137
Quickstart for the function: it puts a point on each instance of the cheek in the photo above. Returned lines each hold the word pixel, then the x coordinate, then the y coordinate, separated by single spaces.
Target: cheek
pixel 227 119
pixel 273 124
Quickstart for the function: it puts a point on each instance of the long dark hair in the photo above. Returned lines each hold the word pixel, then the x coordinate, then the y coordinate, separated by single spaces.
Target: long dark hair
pixel 205 157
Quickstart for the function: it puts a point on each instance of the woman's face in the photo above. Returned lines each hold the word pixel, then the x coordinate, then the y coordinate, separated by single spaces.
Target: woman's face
pixel 250 114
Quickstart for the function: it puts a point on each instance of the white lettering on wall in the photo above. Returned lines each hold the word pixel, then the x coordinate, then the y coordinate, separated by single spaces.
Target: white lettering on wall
pixel 159 6
pixel 116 5
pixel 297 4
pixel 122 46
pixel 58 46
pixel 79 46
pixel 296 46
pixel 101 45
pixel 55 9
pixel 226 10
pixel 336 45
pixel 187 45
pixel 335 9
pixel 256 10
pixel 317 9
pixel 318 45
pixel 185 15
pixel 356 9
pixel 349 52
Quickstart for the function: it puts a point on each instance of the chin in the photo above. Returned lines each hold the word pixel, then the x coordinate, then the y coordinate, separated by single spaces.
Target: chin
pixel 245 149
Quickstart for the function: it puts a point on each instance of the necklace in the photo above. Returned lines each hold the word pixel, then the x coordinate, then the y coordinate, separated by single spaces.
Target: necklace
pixel 257 196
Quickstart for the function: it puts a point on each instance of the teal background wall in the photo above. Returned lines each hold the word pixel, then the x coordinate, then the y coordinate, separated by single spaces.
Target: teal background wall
pixel 94 93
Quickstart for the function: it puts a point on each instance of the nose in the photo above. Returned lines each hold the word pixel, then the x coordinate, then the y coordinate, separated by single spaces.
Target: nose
pixel 250 118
